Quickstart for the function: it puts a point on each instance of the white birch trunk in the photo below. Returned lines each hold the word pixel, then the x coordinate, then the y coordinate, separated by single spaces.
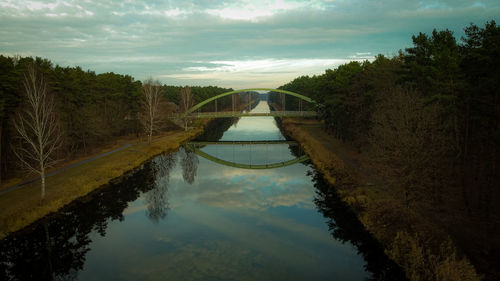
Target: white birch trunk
pixel 37 127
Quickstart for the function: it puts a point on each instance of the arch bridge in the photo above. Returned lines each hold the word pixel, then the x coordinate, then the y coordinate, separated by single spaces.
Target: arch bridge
pixel 191 113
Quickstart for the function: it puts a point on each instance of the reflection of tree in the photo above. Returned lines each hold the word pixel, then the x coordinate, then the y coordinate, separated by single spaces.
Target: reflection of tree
pixel 57 245
pixel 296 150
pixel 189 164
pixel 345 227
pixel 157 197
pixel 216 128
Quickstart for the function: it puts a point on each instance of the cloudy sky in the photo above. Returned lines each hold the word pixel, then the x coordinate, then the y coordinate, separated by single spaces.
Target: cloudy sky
pixel 238 44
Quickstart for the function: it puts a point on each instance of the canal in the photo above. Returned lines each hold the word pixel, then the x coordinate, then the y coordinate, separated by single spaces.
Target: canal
pixel 184 217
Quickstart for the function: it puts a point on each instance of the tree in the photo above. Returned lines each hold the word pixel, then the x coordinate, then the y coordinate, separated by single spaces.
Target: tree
pixel 480 116
pixel 151 97
pixel 9 98
pixel 186 102
pixel 37 126
pixel 408 140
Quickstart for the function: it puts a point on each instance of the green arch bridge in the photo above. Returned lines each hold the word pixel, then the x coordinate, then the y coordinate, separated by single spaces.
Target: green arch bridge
pixel 191 113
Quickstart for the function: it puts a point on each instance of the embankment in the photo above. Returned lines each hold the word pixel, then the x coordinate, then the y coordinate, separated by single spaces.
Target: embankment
pixel 423 249
pixel 21 207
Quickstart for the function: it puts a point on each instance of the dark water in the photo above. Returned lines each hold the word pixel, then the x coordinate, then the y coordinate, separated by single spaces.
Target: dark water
pixel 182 217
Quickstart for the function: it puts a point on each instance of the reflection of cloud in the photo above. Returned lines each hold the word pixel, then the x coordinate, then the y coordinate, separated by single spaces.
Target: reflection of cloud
pixel 233 224
pixel 135 209
pixel 230 188
pixel 254 244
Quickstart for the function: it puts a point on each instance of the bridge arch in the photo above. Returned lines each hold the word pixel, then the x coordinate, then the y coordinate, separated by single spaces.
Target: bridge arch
pixel 212 158
pixel 195 107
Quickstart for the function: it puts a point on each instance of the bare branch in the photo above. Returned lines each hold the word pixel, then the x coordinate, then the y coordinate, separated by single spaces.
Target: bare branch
pixel 37 126
pixel 152 95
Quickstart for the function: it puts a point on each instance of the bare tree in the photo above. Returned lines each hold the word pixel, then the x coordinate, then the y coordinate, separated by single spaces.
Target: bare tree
pixel 186 102
pixel 151 98
pixel 37 126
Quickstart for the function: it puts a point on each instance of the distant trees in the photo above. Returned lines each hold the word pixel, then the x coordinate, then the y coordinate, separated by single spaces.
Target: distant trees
pixel 93 109
pixel 152 95
pixel 454 90
pixel 37 126
pixel 8 102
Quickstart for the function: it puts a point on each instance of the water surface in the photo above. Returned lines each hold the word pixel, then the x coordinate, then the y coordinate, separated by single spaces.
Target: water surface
pixel 182 217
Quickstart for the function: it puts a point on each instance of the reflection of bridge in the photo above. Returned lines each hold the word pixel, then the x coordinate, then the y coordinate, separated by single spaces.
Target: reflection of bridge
pixel 193 146
pixel 201 143
pixel 190 113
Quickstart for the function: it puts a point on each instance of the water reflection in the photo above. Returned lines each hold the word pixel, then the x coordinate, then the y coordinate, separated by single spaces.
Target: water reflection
pixel 345 227
pixel 222 158
pixel 180 217
pixel 56 247
pixel 157 202
pixel 189 163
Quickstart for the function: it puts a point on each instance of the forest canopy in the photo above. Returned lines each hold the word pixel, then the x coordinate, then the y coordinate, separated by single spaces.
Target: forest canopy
pixel 93 109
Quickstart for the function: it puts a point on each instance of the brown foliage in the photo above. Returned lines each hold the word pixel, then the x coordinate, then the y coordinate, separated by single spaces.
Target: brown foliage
pixel 409 142
pixel 421 264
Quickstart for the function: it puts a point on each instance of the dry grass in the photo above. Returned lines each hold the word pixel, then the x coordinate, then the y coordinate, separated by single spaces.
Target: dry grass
pixel 328 163
pixel 377 205
pixel 21 207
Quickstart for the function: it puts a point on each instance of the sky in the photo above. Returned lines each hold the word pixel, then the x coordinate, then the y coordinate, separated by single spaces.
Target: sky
pixel 233 44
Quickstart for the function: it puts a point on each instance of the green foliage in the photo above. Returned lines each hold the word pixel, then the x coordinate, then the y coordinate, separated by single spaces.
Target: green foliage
pixel 345 95
pixel 93 108
pixel 430 119
pixel 173 94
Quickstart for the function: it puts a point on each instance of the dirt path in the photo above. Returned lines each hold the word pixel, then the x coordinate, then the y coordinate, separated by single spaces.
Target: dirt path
pixel 65 168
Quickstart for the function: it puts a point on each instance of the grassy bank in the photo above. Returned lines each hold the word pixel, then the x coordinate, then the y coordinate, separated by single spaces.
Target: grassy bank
pixel 423 248
pixel 21 207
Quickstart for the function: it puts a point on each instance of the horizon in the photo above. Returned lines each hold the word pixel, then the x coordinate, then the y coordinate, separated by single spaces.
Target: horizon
pixel 242 44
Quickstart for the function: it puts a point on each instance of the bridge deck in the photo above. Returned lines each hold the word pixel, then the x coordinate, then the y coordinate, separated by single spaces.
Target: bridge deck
pixel 226 114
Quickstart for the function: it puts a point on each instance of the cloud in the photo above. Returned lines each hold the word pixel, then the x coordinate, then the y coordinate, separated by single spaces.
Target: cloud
pixel 252 10
pixel 257 73
pixel 233 44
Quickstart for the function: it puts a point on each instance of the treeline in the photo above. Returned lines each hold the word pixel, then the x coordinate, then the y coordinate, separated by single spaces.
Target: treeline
pixel 430 118
pixel 93 109
pixel 439 98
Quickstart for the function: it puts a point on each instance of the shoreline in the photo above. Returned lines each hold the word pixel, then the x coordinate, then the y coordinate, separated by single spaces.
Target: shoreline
pixel 400 231
pixel 21 207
